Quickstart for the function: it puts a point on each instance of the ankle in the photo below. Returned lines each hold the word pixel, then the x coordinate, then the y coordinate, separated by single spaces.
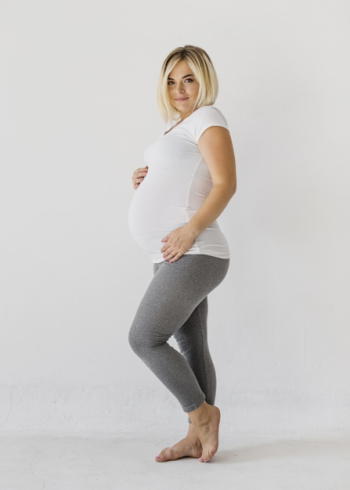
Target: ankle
pixel 191 429
pixel 201 415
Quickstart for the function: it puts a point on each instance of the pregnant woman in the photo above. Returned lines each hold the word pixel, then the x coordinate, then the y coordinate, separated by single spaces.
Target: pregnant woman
pixel 188 180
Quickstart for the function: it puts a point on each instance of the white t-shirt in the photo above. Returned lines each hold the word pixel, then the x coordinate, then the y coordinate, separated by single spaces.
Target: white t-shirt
pixel 175 187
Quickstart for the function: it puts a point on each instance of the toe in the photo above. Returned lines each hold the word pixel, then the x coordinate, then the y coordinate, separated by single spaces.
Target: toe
pixel 205 458
pixel 202 460
pixel 162 455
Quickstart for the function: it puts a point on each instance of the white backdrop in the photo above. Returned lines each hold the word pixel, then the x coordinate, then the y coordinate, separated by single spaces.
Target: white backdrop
pixel 78 107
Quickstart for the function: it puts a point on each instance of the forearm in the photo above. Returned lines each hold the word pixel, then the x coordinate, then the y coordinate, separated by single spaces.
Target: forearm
pixel 213 206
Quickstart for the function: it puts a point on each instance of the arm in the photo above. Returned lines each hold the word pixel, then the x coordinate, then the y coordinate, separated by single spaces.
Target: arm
pixel 215 145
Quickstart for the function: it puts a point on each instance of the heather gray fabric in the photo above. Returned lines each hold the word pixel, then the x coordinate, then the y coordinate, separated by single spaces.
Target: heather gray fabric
pixel 176 303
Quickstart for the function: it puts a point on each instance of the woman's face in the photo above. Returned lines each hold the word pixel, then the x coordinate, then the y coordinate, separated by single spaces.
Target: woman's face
pixel 182 88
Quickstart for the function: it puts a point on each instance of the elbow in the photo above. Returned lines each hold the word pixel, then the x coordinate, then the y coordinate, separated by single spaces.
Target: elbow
pixel 233 189
pixel 234 185
pixel 229 189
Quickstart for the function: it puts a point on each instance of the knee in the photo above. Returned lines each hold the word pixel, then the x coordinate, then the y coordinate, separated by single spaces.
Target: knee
pixel 141 339
pixel 134 340
pixel 138 339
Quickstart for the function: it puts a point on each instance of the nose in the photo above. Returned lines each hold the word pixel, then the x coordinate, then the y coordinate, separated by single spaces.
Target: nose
pixel 180 88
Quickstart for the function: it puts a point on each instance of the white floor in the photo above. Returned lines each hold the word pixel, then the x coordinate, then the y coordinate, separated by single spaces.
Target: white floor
pixel 126 461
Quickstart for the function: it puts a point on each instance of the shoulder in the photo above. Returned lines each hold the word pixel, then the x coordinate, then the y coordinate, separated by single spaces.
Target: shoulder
pixel 204 117
pixel 208 111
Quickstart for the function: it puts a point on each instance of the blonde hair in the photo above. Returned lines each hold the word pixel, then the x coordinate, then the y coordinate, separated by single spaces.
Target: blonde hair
pixel 203 69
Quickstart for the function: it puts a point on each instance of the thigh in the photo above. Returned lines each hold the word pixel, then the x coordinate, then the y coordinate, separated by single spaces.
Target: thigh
pixel 175 291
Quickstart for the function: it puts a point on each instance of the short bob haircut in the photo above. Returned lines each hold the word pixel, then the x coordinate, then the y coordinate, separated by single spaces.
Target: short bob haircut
pixel 203 69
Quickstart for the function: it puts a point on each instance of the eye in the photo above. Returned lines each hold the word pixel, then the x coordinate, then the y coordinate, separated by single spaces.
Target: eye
pixel 186 79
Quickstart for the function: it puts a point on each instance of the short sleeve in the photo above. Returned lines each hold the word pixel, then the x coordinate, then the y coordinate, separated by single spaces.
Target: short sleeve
pixel 206 117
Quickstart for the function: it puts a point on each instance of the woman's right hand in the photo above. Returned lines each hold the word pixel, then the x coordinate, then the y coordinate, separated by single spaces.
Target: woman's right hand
pixel 138 176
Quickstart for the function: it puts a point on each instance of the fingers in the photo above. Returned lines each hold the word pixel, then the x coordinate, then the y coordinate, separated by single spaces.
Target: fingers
pixel 139 175
pixel 174 257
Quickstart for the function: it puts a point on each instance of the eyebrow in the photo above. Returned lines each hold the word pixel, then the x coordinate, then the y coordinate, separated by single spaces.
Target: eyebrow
pixel 189 75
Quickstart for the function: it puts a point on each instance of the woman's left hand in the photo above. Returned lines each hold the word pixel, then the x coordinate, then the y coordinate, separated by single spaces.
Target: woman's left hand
pixel 177 243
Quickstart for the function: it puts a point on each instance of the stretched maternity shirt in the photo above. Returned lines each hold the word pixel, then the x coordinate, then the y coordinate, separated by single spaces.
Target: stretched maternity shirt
pixel 175 187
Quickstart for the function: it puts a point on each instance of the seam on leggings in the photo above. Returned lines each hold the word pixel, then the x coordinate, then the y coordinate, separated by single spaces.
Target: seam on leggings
pixel 203 397
pixel 205 368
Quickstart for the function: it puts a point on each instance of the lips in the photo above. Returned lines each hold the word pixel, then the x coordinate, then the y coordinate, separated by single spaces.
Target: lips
pixel 184 98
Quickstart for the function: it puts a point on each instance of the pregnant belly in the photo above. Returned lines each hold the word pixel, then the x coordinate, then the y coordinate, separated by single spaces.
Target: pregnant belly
pixel 154 212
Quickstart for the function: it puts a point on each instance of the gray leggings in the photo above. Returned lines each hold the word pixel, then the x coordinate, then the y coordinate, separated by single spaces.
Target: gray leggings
pixel 176 303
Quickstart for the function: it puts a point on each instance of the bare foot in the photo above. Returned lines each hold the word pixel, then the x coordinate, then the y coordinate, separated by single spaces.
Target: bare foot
pixel 208 433
pixel 189 446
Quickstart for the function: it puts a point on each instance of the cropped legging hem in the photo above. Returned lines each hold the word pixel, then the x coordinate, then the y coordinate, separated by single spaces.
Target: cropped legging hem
pixel 195 405
pixel 176 303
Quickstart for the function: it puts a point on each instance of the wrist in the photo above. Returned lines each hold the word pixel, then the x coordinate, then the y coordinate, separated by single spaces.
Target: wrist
pixel 192 229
